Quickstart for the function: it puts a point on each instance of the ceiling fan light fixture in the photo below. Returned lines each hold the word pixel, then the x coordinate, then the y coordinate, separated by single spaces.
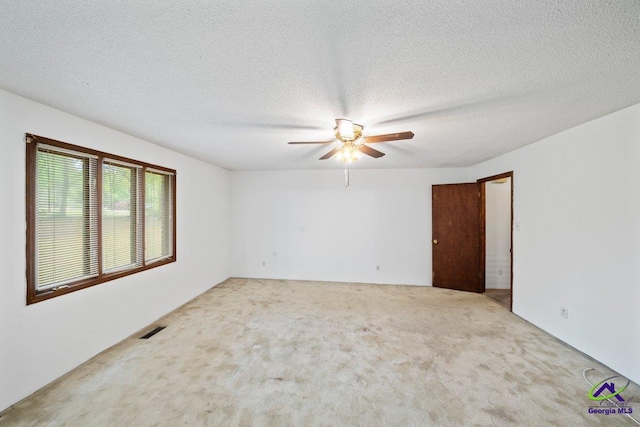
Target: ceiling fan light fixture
pixel 348 154
pixel 345 129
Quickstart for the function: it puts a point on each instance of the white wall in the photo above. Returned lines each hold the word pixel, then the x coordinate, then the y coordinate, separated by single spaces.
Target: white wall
pixel 40 342
pixel 306 225
pixel 498 235
pixel 577 198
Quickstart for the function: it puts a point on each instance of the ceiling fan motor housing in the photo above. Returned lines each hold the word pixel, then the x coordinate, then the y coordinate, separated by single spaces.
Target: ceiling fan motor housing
pixel 343 136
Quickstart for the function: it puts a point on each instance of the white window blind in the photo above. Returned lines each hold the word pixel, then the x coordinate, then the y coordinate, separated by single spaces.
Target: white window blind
pixel 93 217
pixel 66 217
pixel 121 216
pixel 158 215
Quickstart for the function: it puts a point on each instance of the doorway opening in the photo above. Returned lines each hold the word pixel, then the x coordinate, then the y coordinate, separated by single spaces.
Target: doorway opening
pixel 496 237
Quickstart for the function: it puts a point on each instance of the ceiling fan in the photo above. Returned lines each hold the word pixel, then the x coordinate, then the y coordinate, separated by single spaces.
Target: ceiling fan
pixel 351 142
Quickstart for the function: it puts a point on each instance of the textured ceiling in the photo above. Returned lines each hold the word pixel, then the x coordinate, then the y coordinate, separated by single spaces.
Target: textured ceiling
pixel 231 82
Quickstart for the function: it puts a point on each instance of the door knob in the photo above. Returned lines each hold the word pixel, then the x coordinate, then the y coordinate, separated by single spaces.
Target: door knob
pixel 435 241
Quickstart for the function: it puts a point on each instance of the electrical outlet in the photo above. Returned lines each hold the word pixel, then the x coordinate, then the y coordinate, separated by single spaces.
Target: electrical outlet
pixel 264 263
pixel 564 312
pixel 377 268
pixel 516 226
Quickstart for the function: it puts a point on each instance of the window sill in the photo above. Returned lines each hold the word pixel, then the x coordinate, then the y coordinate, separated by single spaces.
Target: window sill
pixel 106 277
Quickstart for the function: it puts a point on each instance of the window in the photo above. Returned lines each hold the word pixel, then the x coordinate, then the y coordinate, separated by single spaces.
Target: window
pixel 121 231
pixel 157 217
pixel 93 217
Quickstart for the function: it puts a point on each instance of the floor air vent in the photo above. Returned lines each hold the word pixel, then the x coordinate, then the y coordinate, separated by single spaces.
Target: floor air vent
pixel 152 332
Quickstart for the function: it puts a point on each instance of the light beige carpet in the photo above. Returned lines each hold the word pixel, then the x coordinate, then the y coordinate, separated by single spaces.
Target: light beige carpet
pixel 269 353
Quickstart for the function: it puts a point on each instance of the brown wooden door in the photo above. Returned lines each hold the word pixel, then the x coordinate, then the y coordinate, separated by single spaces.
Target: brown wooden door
pixel 456 237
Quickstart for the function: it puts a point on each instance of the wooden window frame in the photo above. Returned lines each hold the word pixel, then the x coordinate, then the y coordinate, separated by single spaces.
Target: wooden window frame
pixel 33 295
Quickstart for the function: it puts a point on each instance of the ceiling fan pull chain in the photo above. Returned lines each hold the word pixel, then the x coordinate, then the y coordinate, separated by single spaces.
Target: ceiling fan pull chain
pixel 346 176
